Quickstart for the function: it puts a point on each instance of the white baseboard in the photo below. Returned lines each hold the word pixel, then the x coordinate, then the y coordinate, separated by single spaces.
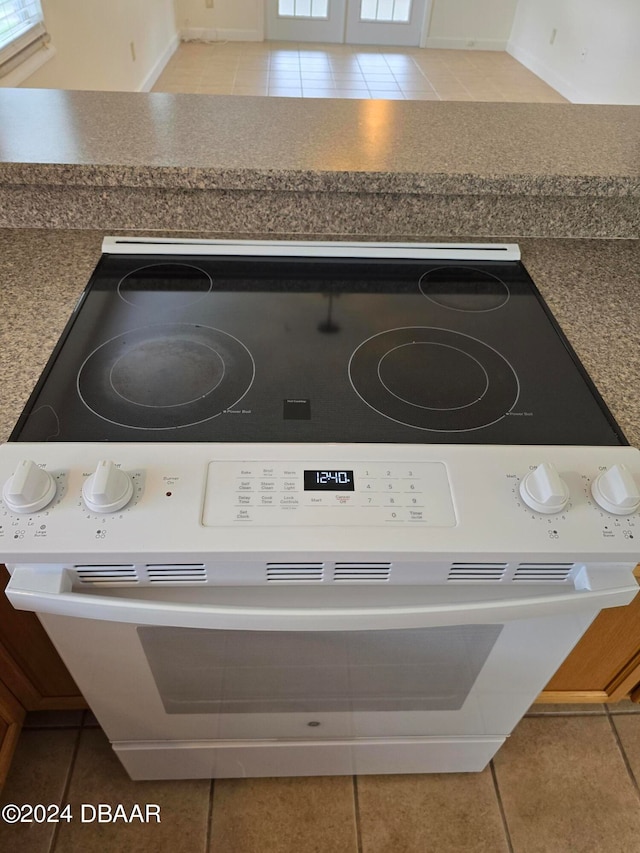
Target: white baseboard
pixel 219 34
pixel 465 44
pixel 542 70
pixel 158 68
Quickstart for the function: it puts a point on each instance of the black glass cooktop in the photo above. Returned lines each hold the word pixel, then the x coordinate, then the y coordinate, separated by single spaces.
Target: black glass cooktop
pixel 192 348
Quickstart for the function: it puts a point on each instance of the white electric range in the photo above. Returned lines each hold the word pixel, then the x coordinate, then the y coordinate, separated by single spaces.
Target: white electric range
pixel 308 508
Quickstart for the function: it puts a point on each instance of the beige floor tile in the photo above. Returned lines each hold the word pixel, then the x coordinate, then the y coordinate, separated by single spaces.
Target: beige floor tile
pixel 312 78
pixel 628 729
pixel 288 75
pixel 249 90
pixel 38 776
pixel 416 85
pixel 213 89
pixel 412 95
pixel 539 709
pixel 625 706
pixel 302 815
pixel 386 95
pixel 285 92
pixel 452 92
pixel 565 789
pixel 455 96
pixel 443 79
pixel 442 813
pixel 348 75
pixel 454 74
pixel 383 85
pixel 98 777
pixel 353 94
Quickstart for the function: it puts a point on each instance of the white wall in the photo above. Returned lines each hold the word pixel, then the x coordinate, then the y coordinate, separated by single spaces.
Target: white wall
pixel 235 20
pixel 595 55
pixel 472 24
pixel 92 39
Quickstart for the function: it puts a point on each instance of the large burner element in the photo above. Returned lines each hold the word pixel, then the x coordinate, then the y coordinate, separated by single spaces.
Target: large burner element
pixel 433 379
pixel 165 376
pixel 464 289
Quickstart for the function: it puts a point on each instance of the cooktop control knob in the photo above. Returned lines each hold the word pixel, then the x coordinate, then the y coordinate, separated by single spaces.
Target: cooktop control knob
pixel 616 491
pixel 108 489
pixel 30 489
pixel 544 490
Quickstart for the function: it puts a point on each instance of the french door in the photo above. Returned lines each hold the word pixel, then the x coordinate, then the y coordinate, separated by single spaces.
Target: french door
pixel 383 22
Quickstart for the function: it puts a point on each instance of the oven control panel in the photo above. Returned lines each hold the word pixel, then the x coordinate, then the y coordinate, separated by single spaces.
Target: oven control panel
pixel 321 492
pixel 120 503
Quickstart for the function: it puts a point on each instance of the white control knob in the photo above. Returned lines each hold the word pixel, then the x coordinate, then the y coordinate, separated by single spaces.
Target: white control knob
pixel 108 489
pixel 616 491
pixel 30 489
pixel 544 490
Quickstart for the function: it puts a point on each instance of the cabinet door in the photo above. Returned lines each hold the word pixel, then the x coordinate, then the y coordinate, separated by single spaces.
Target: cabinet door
pixel 11 719
pixel 30 667
pixel 605 664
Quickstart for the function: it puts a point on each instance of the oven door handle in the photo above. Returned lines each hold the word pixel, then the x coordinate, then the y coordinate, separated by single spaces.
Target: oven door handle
pixel 50 591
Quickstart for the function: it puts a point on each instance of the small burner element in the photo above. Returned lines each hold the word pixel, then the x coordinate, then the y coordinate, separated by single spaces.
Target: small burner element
pixel 399 368
pixel 433 379
pixel 166 376
pixel 464 289
pixel 177 284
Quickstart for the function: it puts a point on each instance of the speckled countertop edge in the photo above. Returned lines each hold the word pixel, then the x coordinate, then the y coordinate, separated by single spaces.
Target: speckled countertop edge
pixel 192 178
pixel 193 142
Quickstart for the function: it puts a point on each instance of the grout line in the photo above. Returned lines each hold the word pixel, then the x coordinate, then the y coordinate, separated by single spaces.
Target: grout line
pixel 209 833
pixel 356 803
pixel 565 714
pixel 503 814
pixel 623 754
pixel 65 789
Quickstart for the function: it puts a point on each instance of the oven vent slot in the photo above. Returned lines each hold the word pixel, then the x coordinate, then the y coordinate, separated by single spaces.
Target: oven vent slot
pixel 172 573
pixel 119 575
pixel 294 572
pixel 543 572
pixel 477 571
pixel 363 572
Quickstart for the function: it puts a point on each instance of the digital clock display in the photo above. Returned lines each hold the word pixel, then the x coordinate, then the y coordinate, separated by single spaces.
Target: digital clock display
pixel 328 481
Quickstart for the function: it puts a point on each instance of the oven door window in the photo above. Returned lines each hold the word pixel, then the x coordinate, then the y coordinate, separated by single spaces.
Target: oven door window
pixel 199 671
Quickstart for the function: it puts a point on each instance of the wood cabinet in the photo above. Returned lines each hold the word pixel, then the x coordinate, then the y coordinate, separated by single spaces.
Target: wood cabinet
pixel 11 718
pixel 605 664
pixel 32 676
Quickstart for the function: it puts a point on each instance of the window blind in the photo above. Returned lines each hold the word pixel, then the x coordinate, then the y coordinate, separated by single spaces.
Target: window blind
pixel 22 32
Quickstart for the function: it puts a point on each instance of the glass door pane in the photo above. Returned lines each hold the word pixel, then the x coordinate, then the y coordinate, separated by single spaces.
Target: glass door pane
pixel 303 8
pixel 198 671
pixel 305 20
pixel 385 11
pixel 385 22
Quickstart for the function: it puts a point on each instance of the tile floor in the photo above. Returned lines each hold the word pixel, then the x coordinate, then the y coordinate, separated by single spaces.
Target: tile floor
pixel 290 69
pixel 565 782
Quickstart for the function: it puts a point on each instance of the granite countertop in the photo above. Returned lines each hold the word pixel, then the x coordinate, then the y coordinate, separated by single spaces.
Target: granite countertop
pixel 592 287
pixel 195 162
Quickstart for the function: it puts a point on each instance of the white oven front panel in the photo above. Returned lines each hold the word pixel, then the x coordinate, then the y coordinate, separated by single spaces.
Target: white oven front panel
pixel 174 685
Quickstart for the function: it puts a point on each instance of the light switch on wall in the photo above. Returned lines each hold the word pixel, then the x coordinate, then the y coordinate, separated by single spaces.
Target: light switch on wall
pixel 208 4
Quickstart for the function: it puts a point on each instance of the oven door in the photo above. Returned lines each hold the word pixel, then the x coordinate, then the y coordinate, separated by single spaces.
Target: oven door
pixel 186 681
